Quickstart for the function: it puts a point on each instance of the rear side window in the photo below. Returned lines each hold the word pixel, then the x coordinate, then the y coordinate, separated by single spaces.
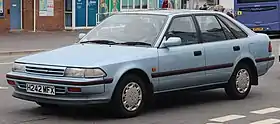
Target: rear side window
pixel 226 30
pixel 211 30
pixel 237 32
pixel 254 1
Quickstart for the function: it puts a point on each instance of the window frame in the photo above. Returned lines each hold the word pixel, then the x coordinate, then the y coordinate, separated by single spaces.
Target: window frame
pixel 195 25
pixel 200 33
pixel 3 15
pixel 230 31
pixel 242 30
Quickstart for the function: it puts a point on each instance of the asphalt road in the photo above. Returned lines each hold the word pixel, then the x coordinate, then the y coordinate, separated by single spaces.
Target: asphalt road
pixel 212 107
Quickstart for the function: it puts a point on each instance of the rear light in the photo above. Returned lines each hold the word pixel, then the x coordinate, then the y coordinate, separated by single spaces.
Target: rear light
pixel 74 89
pixel 269 47
pixel 13 83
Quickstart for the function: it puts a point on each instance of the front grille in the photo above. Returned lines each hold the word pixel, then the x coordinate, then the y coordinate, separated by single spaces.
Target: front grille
pixel 45 70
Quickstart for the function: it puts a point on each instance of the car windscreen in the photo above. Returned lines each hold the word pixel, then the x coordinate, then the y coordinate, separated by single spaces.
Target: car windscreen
pixel 255 1
pixel 128 28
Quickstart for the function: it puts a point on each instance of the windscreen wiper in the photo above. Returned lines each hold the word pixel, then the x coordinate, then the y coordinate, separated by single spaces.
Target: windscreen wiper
pixel 109 42
pixel 136 43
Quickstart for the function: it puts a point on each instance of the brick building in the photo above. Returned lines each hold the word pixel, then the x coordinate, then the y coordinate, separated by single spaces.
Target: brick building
pixel 4 16
pixel 50 15
pixel 19 15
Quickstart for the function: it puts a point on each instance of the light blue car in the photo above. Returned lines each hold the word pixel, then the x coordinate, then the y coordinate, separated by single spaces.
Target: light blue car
pixel 131 56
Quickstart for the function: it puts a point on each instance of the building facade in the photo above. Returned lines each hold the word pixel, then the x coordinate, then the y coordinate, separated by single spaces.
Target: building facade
pixel 50 15
pixel 4 15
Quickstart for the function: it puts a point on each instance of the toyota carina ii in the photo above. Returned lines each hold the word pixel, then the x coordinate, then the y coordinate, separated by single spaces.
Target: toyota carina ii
pixel 130 56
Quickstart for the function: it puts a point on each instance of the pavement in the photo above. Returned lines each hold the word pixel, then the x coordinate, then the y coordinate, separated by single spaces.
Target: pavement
pixel 30 42
pixel 262 106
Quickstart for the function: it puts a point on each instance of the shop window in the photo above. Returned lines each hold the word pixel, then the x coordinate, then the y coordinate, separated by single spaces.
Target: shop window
pixel 152 4
pixel 144 4
pixel 2 8
pixel 68 5
pixel 127 4
pixel 68 13
pixel 137 4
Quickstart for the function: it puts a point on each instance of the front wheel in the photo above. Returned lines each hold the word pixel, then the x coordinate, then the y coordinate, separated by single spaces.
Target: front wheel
pixel 129 96
pixel 240 82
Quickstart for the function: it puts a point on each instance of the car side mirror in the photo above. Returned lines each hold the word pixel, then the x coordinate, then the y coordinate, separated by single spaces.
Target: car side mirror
pixel 172 41
pixel 81 35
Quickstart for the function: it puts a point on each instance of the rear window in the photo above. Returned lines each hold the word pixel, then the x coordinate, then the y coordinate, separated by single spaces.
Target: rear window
pixel 254 1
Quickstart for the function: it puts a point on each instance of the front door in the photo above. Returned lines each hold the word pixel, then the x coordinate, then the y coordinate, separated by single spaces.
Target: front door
pixel 15 14
pixel 181 66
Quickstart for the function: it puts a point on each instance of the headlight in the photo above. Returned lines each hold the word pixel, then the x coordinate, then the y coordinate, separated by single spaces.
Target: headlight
pixel 18 67
pixel 87 73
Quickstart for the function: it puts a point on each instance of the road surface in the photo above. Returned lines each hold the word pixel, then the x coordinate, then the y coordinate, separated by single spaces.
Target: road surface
pixel 262 106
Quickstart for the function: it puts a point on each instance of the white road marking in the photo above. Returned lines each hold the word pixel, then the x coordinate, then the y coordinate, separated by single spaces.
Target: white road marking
pixel 267 121
pixel 266 110
pixel 214 123
pixel 4 88
pixel 6 63
pixel 227 118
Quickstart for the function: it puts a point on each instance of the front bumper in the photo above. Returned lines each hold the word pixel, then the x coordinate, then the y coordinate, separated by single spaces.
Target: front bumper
pixel 92 91
pixel 57 100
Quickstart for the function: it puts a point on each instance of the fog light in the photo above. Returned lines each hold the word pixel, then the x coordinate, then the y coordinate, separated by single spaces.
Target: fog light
pixel 11 82
pixel 74 89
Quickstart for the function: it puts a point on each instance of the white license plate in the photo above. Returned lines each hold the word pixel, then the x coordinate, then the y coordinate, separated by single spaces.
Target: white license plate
pixel 40 89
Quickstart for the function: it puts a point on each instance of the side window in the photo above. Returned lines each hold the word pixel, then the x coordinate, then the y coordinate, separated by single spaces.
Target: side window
pixel 228 33
pixel 211 30
pixel 235 30
pixel 184 28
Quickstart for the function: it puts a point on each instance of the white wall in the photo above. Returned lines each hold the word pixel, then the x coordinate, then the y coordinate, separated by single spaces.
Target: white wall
pixel 229 4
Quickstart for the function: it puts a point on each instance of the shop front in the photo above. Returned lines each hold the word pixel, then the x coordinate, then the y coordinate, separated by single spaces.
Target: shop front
pixel 80 14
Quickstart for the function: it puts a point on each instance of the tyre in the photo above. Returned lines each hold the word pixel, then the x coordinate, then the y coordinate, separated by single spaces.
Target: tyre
pixel 239 84
pixel 46 105
pixel 129 97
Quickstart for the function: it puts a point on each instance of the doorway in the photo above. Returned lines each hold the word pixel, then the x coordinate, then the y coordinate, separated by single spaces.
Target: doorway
pixel 15 14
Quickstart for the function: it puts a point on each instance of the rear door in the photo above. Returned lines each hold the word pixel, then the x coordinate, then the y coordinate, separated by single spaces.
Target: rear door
pixel 221 47
pixel 258 15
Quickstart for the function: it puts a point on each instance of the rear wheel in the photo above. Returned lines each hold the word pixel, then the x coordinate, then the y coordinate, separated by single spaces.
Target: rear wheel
pixel 129 96
pixel 240 82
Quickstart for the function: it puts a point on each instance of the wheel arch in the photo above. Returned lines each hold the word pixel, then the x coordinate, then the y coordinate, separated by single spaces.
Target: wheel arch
pixel 142 74
pixel 252 65
pixel 139 72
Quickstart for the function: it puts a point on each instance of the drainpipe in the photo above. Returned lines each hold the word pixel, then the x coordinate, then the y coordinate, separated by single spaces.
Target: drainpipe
pixel 34 21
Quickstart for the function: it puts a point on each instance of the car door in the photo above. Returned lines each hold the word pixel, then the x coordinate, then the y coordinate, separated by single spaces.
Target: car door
pixel 221 48
pixel 181 66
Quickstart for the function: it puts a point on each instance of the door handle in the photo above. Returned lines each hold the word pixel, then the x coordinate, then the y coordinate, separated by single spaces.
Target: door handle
pixel 197 53
pixel 236 48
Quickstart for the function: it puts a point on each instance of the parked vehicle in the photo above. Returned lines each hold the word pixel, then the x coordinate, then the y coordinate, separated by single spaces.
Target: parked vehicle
pixel 130 56
pixel 259 15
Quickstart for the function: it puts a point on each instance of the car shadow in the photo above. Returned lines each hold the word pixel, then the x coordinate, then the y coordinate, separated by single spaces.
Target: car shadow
pixel 163 102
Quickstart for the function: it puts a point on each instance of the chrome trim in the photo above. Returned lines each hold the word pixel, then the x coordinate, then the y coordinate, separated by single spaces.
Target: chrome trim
pixel 45 70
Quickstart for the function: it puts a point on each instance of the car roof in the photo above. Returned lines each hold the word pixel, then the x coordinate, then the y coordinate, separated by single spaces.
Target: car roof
pixel 168 11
